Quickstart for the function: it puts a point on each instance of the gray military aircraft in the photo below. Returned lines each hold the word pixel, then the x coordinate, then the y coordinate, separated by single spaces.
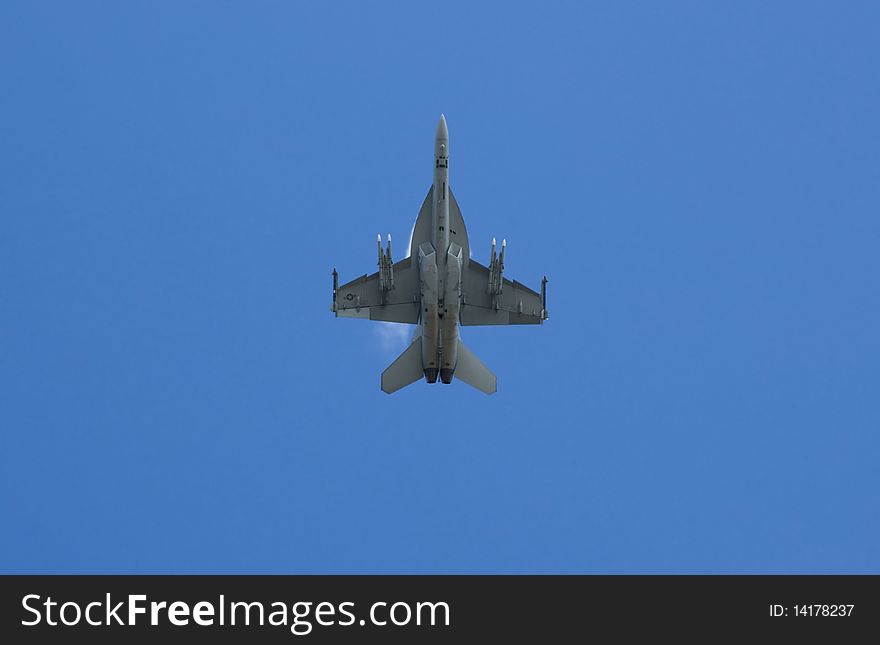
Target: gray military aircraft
pixel 439 287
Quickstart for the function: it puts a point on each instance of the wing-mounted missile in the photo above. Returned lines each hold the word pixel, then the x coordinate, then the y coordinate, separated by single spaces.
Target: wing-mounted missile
pixel 381 263
pixel 389 264
pixel 496 271
pixel 386 267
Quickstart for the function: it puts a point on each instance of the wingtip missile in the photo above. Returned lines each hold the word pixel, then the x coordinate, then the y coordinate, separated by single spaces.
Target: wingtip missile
pixel 335 291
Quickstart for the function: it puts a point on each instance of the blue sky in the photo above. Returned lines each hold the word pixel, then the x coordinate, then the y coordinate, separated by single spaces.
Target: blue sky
pixel 699 181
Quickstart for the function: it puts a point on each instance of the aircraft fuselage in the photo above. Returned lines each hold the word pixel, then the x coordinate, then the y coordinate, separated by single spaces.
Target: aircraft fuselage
pixel 440 268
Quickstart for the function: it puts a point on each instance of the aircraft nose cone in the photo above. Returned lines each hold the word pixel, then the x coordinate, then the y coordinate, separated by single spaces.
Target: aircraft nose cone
pixel 442 132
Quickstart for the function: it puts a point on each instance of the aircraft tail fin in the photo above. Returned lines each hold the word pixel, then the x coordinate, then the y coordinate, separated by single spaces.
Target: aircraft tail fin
pixel 471 370
pixel 405 370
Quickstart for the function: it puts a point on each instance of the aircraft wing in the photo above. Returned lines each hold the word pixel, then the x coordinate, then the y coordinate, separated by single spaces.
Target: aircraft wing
pixel 515 305
pixel 363 297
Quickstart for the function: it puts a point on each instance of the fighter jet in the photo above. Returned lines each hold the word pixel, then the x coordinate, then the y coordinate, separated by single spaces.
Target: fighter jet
pixel 439 287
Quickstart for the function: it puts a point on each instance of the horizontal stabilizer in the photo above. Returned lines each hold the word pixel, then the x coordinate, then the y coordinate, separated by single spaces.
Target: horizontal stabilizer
pixel 471 370
pixel 405 370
